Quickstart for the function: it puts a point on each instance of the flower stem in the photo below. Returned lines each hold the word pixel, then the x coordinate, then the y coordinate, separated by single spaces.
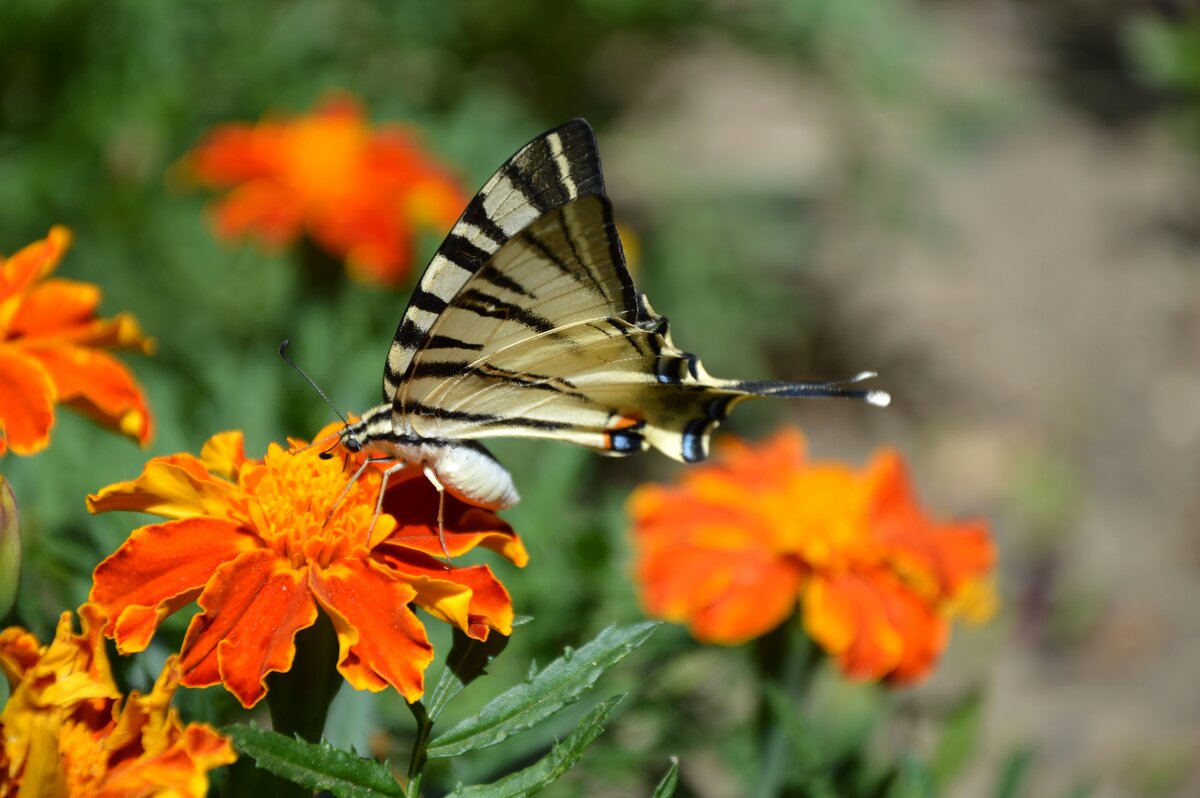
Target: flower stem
pixel 417 763
pixel 299 699
pixel 787 660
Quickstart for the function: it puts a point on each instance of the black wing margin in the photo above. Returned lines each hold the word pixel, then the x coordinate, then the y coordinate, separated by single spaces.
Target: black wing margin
pixel 555 169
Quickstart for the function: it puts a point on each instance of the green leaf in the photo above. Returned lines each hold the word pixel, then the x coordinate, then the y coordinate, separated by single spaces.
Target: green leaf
pixel 913 781
pixel 1015 774
pixel 666 787
pixel 466 662
pixel 317 767
pixel 557 685
pixel 959 740
pixel 562 757
pixel 808 762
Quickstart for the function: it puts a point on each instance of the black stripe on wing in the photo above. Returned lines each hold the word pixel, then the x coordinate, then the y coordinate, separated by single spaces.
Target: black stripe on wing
pixel 554 169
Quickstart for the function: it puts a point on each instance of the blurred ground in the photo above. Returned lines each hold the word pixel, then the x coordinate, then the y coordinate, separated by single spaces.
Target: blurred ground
pixel 1039 326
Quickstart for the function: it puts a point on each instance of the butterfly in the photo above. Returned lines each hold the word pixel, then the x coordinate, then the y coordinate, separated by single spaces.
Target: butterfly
pixel 526 323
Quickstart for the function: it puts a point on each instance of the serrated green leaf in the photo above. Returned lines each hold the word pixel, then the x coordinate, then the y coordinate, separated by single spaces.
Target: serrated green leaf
pixel 557 685
pixel 467 660
pixel 562 757
pixel 317 767
pixel 666 787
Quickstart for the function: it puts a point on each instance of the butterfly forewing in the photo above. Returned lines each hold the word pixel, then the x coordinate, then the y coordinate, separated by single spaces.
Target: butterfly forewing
pixel 551 339
pixel 549 172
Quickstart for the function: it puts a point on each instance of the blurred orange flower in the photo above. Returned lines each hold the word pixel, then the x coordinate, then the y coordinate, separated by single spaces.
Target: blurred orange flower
pixel 732 549
pixel 360 192
pixel 50 342
pixel 261 544
pixel 66 732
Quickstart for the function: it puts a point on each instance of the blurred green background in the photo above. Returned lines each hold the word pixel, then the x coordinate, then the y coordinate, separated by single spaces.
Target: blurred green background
pixel 993 203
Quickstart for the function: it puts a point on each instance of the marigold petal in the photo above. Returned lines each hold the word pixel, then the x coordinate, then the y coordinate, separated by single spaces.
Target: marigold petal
pixel 471 597
pixel 26 402
pixel 154 751
pixel 375 239
pixel 923 631
pixel 782 454
pixel 754 603
pixel 146 722
pixel 874 647
pixel 234 153
pixel 177 486
pixel 253 608
pixel 33 261
pixel 829 618
pixel 99 386
pixel 413 502
pixel 52 306
pixel 951 555
pixel 19 651
pixel 381 641
pixel 261 208
pixel 122 331
pixel 724 595
pixel 180 771
pixel 159 569
pixel 224 454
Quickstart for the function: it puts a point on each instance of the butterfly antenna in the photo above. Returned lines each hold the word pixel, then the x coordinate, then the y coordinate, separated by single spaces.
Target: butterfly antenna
pixel 834 388
pixel 283 354
pixel 873 397
pixel 325 455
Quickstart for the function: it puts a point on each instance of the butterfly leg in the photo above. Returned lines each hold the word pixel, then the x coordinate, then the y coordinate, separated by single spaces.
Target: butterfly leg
pixel 441 489
pixel 342 496
pixel 399 465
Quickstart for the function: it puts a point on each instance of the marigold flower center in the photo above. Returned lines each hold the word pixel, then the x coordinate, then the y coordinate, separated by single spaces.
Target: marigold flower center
pixel 339 143
pixel 84 759
pixel 297 506
pixel 823 515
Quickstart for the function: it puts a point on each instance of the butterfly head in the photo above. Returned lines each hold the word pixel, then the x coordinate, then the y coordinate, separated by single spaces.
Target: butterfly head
pixel 351 438
pixel 374 427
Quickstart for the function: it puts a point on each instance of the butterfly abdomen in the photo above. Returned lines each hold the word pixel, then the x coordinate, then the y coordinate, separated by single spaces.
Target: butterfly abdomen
pixel 470 472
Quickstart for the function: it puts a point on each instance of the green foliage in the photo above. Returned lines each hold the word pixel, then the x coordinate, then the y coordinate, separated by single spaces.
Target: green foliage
pixel 315 766
pixel 1165 51
pixel 320 766
pixel 670 779
pixel 1014 774
pixel 959 740
pixel 544 693
pixel 562 757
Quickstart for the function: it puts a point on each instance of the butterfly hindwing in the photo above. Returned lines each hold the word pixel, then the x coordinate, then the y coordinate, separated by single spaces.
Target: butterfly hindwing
pixel 549 172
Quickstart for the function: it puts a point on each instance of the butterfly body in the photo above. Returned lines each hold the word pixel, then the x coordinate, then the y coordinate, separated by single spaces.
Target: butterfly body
pixel 526 323
pixel 465 468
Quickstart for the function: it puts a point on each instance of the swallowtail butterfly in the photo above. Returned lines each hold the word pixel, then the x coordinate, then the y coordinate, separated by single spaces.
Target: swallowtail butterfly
pixel 527 323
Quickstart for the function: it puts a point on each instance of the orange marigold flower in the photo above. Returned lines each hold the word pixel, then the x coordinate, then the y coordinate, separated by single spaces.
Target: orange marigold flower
pixel 65 730
pixel 261 544
pixel 359 192
pixel 732 550
pixel 50 342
